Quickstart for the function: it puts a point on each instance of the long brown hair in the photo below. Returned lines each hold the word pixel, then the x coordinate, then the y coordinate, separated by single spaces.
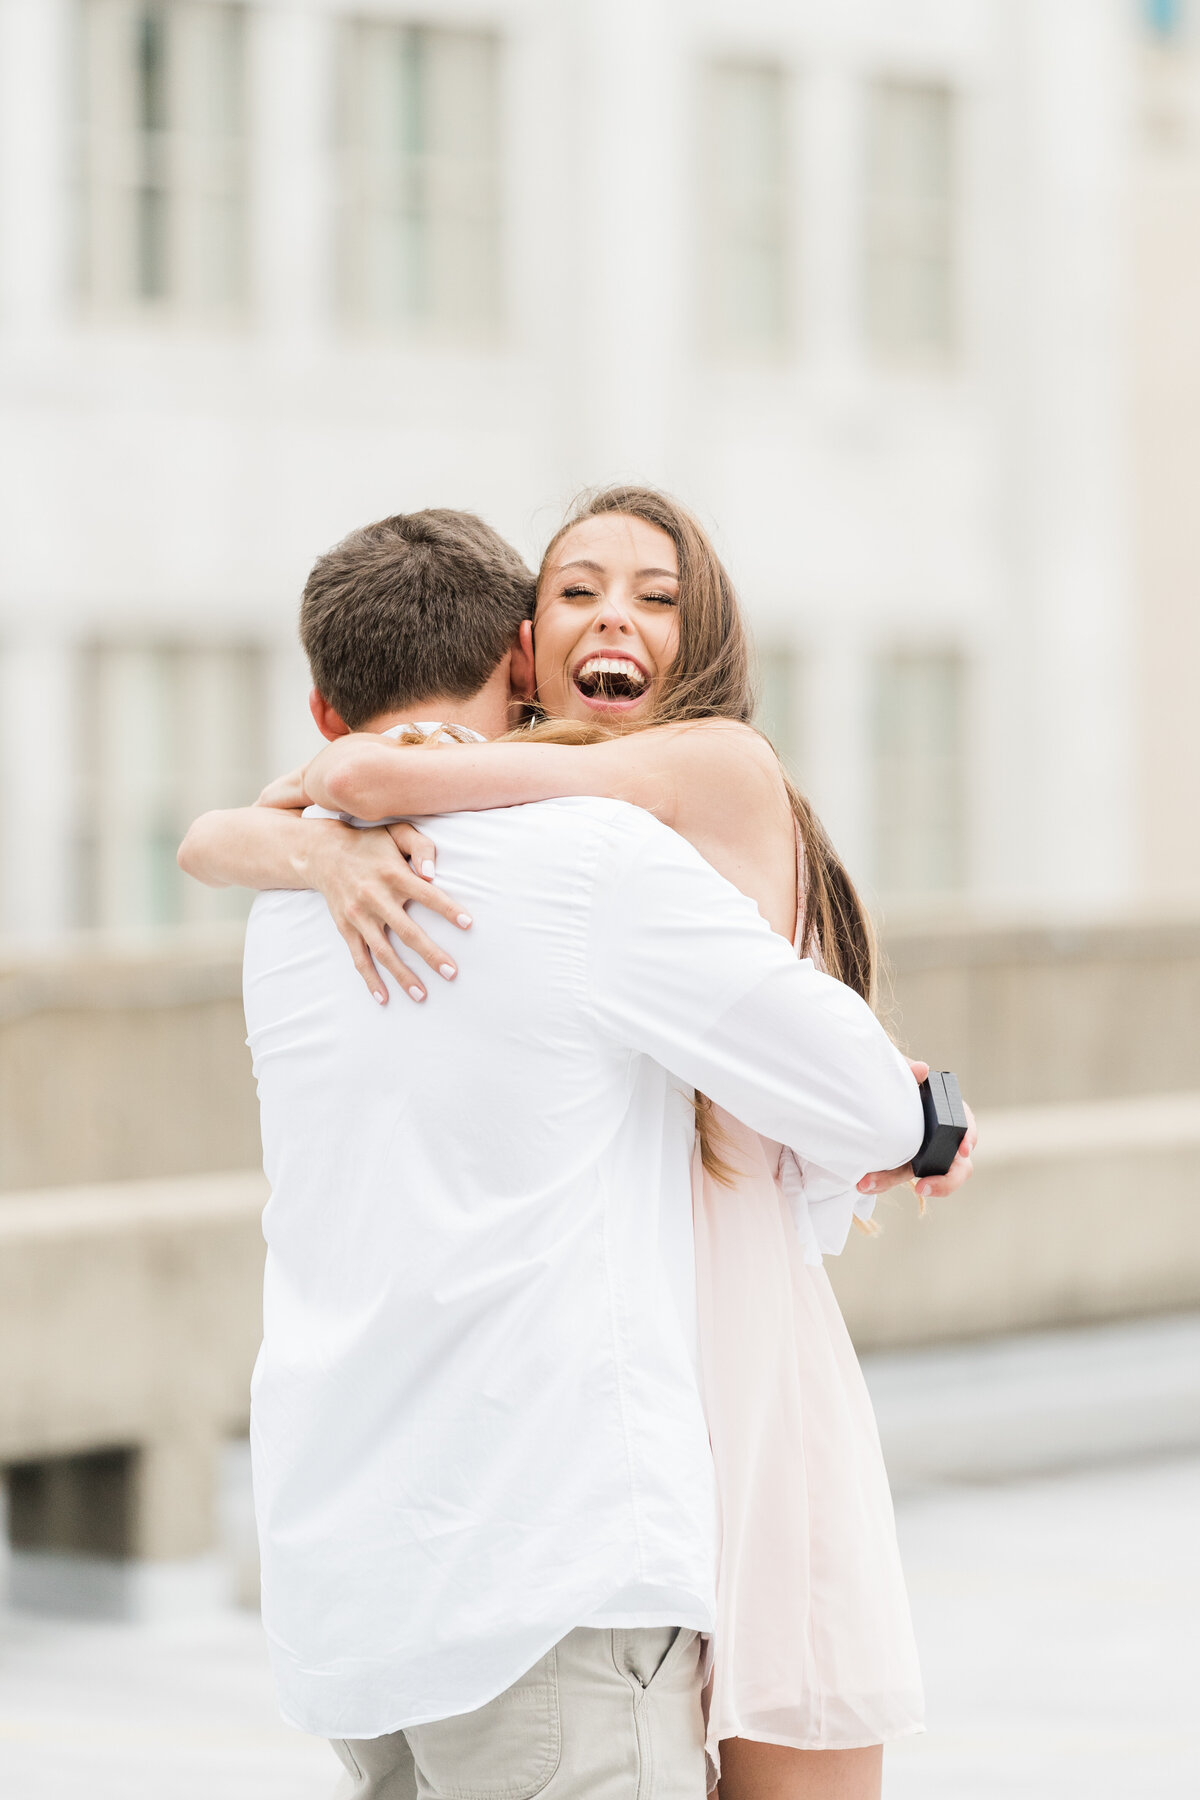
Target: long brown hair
pixel 710 677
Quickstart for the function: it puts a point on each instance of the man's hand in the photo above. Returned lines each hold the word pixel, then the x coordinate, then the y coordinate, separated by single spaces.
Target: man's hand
pixel 933 1186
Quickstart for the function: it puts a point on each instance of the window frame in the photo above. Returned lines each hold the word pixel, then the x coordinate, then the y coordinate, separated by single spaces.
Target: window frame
pixel 124 161
pixel 427 171
pixel 891 342
pixel 722 340
pixel 892 761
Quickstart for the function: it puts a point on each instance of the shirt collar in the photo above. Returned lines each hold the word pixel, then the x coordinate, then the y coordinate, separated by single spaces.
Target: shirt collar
pixel 427 727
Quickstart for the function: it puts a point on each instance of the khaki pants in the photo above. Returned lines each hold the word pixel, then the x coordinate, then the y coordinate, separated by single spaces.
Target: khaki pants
pixel 605 1715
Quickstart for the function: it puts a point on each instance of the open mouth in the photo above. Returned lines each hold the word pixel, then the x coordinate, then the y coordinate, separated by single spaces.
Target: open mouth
pixel 611 680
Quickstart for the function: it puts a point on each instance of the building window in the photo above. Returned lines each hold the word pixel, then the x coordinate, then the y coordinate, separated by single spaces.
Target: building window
pixel 920 787
pixel 778 713
pixel 419 127
pixel 163 165
pixel 746 209
pixel 909 221
pixel 169 731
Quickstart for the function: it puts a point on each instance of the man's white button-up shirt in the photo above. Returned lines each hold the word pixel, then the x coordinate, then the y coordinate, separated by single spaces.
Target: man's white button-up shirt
pixel 476 1422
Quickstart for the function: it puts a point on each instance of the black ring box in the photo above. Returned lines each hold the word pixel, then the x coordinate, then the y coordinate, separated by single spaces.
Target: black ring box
pixel 945 1123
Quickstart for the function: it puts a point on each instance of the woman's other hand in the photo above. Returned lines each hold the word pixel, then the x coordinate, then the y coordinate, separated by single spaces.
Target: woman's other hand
pixel 368 879
pixel 931 1187
pixel 286 792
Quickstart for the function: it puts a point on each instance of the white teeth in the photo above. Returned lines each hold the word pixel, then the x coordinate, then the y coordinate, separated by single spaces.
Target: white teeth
pixel 613 665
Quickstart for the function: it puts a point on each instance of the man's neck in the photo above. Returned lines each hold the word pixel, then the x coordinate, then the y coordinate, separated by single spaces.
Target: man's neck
pixel 485 713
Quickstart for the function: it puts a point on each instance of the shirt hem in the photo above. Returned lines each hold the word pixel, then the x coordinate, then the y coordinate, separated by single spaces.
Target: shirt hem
pixel 646 1620
pixel 698 1621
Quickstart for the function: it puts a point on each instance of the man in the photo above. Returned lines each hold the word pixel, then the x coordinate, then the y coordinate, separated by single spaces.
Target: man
pixel 482 1475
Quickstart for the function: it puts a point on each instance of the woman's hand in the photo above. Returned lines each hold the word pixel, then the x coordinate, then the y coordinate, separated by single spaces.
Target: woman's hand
pixel 286 792
pixel 932 1187
pixel 346 775
pixel 368 879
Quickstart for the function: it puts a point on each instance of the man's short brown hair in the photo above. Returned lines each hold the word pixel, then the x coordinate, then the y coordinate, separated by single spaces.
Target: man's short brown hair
pixel 409 609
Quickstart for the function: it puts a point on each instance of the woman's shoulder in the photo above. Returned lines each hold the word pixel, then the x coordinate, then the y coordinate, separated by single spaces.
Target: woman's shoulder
pixel 730 800
pixel 726 761
pixel 698 777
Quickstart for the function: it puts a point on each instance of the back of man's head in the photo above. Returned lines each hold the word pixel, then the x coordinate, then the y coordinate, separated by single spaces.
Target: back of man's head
pixel 417 607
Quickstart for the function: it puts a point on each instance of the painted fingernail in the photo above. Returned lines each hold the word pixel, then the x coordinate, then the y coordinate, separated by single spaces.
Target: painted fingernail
pixel 427 869
pixel 382 998
pixel 464 920
pixel 447 971
pixel 416 994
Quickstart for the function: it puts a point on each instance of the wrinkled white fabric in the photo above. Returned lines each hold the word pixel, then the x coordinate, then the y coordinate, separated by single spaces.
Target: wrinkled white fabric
pixel 476 1422
pixel 822 1207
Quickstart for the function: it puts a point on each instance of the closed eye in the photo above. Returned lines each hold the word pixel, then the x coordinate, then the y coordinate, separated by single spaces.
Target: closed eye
pixel 660 599
pixel 578 593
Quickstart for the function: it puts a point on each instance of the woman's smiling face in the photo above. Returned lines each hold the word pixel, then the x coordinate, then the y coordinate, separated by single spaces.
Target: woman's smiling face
pixel 607 620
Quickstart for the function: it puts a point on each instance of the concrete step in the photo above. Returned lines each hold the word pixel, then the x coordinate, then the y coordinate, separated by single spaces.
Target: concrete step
pixel 1038 1403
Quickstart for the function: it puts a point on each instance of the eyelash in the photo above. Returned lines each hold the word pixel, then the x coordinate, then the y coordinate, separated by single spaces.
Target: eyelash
pixel 583 593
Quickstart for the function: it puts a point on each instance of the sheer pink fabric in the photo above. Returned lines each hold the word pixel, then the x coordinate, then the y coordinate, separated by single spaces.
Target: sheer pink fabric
pixel 814 1645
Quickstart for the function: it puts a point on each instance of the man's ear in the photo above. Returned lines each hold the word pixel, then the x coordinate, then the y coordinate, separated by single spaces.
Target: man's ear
pixel 330 724
pixel 521 681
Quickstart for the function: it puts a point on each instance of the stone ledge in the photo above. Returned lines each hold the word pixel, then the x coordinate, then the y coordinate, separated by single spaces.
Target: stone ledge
pixel 912 945
pixel 138 1592
pixel 108 1208
pixel 1146 1122
pixel 130 1313
pixel 1032 1405
pixel 126 1310
pixel 1076 1214
pixel 104 974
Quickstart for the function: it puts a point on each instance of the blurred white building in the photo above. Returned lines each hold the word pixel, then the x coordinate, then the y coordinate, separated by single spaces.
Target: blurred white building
pixel 853 277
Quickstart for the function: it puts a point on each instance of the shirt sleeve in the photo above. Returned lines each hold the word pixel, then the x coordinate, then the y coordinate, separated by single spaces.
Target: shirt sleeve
pixel 823 1207
pixel 682 967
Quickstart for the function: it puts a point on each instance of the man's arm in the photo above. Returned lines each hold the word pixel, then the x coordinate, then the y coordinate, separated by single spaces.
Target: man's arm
pixel 682 967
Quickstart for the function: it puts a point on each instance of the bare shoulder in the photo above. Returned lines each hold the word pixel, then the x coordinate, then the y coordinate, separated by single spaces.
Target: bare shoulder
pixel 723 767
pixel 713 741
pixel 720 786
pixel 728 798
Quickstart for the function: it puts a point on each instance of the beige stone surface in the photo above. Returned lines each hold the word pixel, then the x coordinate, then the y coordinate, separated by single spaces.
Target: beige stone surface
pixel 130 1314
pixel 120 1062
pixel 1039 1013
pixel 1075 1213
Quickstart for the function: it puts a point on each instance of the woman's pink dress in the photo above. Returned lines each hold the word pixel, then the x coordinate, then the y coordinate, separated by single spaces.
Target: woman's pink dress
pixel 814 1644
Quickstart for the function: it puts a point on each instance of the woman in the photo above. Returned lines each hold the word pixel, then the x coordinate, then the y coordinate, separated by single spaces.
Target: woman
pixel 637 625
